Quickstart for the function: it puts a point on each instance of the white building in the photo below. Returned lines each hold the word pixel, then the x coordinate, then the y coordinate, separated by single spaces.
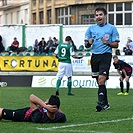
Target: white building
pixel 14 12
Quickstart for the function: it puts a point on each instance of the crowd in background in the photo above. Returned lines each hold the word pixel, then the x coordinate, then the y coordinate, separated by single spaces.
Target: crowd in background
pixel 50 45
pixel 38 47
pixel 45 47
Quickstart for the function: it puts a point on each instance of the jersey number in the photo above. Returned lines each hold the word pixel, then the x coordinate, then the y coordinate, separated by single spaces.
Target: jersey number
pixel 63 52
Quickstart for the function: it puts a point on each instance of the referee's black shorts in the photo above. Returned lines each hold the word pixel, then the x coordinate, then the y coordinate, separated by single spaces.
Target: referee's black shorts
pixel 100 64
pixel 14 115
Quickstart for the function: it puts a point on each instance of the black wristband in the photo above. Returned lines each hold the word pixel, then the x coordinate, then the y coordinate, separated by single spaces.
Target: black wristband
pixel 87 45
pixel 108 43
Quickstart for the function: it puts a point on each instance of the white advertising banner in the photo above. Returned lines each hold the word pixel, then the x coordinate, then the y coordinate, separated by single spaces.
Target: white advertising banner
pixel 77 82
pixel 83 65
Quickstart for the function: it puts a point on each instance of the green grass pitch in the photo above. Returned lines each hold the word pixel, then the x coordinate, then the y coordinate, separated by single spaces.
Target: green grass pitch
pixel 79 109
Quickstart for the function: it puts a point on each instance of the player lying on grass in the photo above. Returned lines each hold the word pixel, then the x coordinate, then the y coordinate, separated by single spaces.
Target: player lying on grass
pixel 38 112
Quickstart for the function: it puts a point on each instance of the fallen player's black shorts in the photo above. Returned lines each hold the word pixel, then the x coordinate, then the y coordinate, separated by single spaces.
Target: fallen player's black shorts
pixel 14 115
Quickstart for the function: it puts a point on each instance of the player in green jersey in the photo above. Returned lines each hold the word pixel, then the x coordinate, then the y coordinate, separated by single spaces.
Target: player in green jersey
pixel 64 52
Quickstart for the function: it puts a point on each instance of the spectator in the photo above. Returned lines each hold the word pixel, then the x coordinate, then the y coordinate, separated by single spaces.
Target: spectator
pixel 129 47
pixel 35 46
pixel 128 51
pixel 54 46
pixel 2 48
pixel 15 45
pixel 49 44
pixel 129 43
pixel 117 52
pixel 41 46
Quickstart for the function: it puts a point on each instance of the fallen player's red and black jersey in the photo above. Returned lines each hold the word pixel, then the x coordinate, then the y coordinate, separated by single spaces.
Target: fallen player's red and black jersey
pixel 36 116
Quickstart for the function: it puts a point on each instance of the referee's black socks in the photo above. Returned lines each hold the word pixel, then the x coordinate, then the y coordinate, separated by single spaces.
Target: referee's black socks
pixel 102 94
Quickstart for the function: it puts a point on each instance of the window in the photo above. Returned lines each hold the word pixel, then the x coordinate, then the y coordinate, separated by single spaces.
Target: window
pixel 63 16
pixel 26 16
pixel 88 19
pixel 34 18
pixel 118 6
pixel 66 11
pixel 41 1
pixel 111 18
pixel 49 16
pixel 41 17
pixel 66 21
pixel 128 19
pixel 119 19
pixel 111 7
pixel 4 2
pixel 18 17
pixel 128 6
pixel 34 3
pixel 120 13
pixel 62 11
pixel 62 20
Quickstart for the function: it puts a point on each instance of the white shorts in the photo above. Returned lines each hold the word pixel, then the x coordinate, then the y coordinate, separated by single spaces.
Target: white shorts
pixel 64 69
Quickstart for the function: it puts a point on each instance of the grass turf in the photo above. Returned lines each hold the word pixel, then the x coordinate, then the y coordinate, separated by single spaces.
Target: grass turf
pixel 79 109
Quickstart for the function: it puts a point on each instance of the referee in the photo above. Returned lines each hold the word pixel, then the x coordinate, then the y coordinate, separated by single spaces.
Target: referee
pixel 102 37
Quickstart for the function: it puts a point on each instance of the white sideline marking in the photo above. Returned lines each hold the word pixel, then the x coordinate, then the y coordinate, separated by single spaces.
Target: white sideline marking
pixel 82 131
pixel 85 124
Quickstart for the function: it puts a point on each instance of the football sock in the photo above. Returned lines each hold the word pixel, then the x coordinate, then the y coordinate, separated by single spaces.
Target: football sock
pixel 58 83
pixel 128 84
pixel 101 94
pixel 105 97
pixel 121 85
pixel 69 85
